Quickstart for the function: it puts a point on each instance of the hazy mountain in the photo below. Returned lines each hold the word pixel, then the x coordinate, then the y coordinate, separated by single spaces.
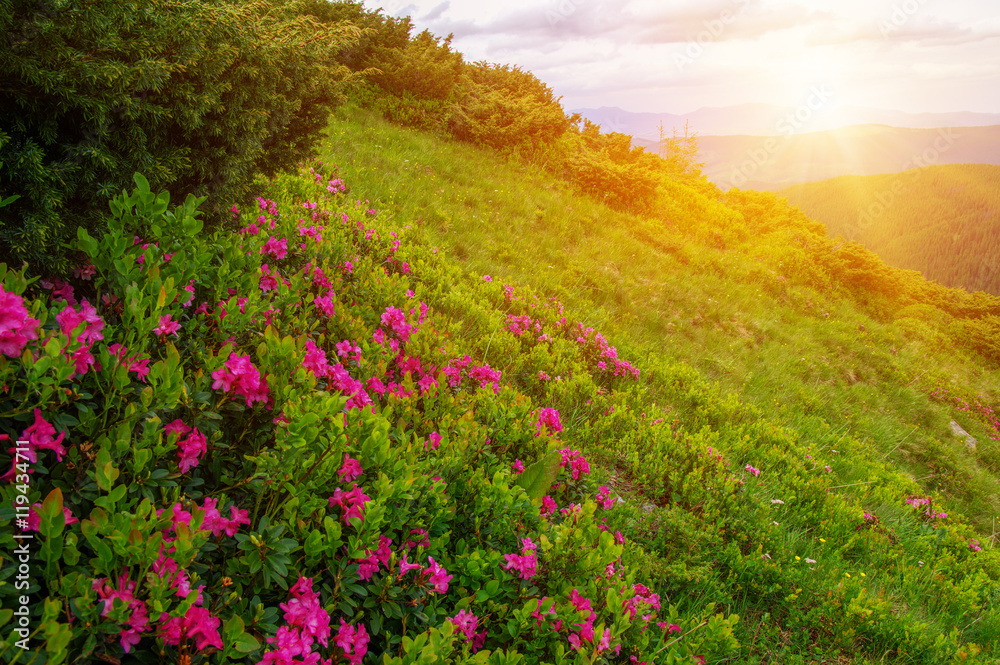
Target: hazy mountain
pixel 755 162
pixel 941 220
pixel 770 119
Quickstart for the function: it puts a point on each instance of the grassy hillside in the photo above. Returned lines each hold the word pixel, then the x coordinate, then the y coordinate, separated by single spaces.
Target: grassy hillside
pixel 482 385
pixel 741 342
pixel 760 162
pixel 941 220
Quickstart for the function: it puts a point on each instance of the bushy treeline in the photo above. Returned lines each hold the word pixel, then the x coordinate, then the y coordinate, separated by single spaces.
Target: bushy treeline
pixel 198 95
pixel 421 82
pixel 942 220
pixel 887 292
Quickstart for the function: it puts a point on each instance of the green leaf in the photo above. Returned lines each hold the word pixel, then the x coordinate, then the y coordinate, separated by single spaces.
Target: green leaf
pixel 246 643
pixel 538 477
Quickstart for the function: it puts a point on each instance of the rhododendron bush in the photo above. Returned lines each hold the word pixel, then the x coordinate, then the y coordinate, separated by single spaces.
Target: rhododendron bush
pixel 267 445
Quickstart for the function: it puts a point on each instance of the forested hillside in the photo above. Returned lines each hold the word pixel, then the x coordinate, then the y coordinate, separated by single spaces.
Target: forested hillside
pixel 456 378
pixel 941 220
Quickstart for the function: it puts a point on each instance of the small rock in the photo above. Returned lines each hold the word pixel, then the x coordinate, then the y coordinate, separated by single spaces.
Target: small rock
pixel 970 441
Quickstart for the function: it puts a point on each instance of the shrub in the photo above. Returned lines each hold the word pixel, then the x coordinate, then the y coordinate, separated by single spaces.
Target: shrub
pixel 198 96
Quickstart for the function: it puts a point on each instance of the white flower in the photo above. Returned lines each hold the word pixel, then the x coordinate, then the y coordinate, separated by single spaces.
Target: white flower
pixel 778 501
pixel 808 560
pixel 775 524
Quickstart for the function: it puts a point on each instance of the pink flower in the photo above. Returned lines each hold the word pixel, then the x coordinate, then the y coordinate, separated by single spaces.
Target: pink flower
pixel 198 623
pixel 753 471
pixel 549 506
pixel 276 248
pixel 167 326
pixel 405 567
pixel 240 375
pixel 435 440
pixel 268 280
pixel 525 563
pixel 16 327
pixel 466 623
pixel 352 503
pixel 354 641
pixel 39 435
pixel 191 450
pixel 548 419
pixel 439 577
pixel 604 498
pixel 517 466
pixel 350 470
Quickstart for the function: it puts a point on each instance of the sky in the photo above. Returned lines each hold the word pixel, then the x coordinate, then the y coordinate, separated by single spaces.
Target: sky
pixel 676 56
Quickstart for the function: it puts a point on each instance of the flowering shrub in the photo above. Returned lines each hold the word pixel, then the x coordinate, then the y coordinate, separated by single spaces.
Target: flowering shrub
pixel 299 467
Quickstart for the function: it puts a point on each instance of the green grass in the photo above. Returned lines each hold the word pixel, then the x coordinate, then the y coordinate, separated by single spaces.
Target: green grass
pixel 797 353
pixel 776 361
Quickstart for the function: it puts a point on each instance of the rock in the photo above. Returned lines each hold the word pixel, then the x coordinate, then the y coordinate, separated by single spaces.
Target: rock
pixel 970 441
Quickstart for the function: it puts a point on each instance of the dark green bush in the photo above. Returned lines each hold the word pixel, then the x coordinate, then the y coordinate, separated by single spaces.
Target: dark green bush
pixel 199 96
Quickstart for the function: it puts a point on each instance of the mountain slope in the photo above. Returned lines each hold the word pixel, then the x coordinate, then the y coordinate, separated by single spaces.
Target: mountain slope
pixel 941 220
pixel 754 331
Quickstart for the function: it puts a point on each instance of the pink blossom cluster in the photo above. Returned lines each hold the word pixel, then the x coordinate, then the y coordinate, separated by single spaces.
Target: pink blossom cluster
pixel 548 421
pixel 275 248
pixel 239 375
pixel 525 563
pixel 60 290
pixel 337 375
pixel 131 363
pixel 643 602
pixel 381 556
pixel 975 546
pixel 520 325
pixel 138 615
pixel 752 470
pixel 585 632
pixel 353 640
pixel 191 448
pixel 605 498
pixel 542 616
pixel 549 506
pixel 16 327
pixel 351 503
pixel 594 345
pixel 308 623
pixel 39 436
pixel 466 623
pixel 483 375
pixel 70 321
pixel 575 461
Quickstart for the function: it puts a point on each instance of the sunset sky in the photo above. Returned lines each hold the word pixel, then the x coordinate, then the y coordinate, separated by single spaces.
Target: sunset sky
pixel 678 56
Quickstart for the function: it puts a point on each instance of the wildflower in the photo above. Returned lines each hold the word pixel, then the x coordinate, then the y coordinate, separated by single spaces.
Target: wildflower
pixel 197 623
pixel 525 563
pixel 405 567
pixel 466 623
pixel 435 440
pixel 354 641
pixel 487 278
pixel 604 498
pixel 548 419
pixel 350 470
pixel 549 506
pixel 778 502
pixel 167 326
pixel 808 560
pixel 438 576
pixel 753 471
pixel 351 503
pixel 517 466
pixel 192 449
pixel 276 248
pixel 16 327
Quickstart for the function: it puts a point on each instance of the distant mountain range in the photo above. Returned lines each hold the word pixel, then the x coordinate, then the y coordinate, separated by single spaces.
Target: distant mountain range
pixel 941 220
pixel 772 120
